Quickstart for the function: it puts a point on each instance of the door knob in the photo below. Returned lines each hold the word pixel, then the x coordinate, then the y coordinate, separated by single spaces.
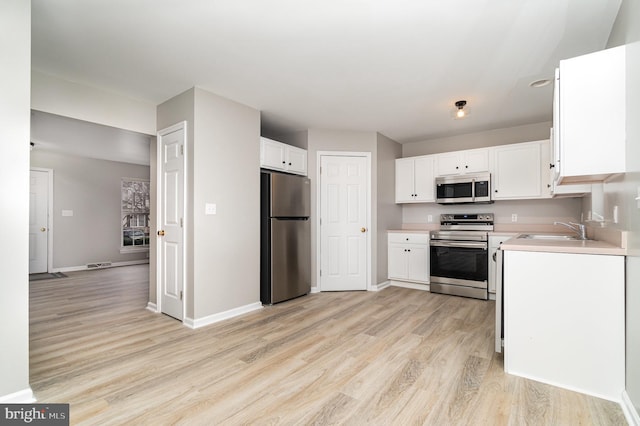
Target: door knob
pixel 363 229
pixel 43 229
pixel 161 233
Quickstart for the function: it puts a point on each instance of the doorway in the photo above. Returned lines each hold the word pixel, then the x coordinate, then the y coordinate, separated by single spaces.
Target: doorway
pixel 170 212
pixel 40 224
pixel 344 199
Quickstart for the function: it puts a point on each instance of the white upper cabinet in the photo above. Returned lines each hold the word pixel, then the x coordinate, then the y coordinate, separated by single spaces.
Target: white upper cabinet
pixel 589 117
pixel 279 156
pixel 555 190
pixel 519 170
pixel 460 162
pixel 415 181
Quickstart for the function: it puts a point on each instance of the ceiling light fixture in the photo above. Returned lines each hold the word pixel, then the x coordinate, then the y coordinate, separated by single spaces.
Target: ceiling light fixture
pixel 460 112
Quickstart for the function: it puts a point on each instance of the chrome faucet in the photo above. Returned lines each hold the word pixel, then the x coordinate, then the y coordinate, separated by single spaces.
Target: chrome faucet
pixel 578 228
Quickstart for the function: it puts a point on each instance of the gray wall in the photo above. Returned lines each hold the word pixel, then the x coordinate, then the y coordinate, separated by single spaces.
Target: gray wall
pixel 223 167
pixel 389 213
pixel 91 188
pixel 622 191
pixel 531 132
pixel 15 43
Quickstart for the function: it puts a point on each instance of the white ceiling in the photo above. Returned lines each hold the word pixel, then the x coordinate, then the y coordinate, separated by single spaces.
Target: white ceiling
pixel 391 66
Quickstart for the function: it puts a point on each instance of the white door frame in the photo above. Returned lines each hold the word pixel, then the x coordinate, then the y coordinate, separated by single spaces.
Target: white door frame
pixel 319 156
pixel 159 200
pixel 49 214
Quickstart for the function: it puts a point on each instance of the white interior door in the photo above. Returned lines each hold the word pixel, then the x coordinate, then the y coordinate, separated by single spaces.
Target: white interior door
pixel 38 221
pixel 344 222
pixel 170 220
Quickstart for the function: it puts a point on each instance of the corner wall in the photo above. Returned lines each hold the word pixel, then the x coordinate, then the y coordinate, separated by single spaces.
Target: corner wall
pixel 622 192
pixel 15 43
pixel 389 213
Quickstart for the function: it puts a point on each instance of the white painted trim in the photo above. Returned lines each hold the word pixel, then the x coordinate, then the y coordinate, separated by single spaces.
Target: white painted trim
pixel 492 296
pixel 630 413
pixel 24 396
pixel 49 215
pixel 380 286
pixel 315 290
pixel 406 284
pixel 221 316
pixel 152 307
pixel 185 221
pixel 319 156
pixel 113 265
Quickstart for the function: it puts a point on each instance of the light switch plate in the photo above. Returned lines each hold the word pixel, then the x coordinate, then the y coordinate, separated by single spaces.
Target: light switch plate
pixel 67 213
pixel 210 208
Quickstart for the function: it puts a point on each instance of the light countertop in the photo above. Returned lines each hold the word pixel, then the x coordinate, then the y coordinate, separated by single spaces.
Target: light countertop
pixel 563 246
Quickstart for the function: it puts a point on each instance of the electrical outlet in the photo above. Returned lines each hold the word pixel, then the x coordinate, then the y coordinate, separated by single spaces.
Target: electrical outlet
pixel 616 216
pixel 430 218
pixel 210 208
pixel 514 217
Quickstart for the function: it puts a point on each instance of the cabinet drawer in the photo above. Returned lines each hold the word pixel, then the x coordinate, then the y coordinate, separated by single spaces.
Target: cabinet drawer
pixel 409 238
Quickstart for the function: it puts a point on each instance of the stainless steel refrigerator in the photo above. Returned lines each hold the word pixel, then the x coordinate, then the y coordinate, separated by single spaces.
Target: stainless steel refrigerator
pixel 285 237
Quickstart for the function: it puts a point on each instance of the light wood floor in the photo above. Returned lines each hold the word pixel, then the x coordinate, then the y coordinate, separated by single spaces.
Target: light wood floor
pixel 398 356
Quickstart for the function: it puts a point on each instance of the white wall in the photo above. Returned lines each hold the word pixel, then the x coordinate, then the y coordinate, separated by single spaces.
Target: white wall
pixel 15 45
pixel 62 97
pixel 91 189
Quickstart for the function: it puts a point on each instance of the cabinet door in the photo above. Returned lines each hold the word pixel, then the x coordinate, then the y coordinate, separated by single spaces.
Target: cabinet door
pixel 271 154
pixel 592 116
pixel 296 159
pixel 398 262
pixel 418 263
pixel 424 180
pixel 404 180
pixel 475 161
pixel 516 172
pixel 448 163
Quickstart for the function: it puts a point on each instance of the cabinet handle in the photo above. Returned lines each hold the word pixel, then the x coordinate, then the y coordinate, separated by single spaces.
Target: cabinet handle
pixel 496 190
pixel 551 166
pixel 457 167
pixel 289 163
pixel 466 167
pixel 494 256
pixel 284 162
pixel 407 239
pixel 548 185
pixel 408 250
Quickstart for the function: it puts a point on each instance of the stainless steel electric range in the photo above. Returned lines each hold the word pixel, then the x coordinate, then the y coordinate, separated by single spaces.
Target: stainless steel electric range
pixel 459 255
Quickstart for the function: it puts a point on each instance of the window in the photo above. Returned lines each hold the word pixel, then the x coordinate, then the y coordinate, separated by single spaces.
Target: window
pixel 135 214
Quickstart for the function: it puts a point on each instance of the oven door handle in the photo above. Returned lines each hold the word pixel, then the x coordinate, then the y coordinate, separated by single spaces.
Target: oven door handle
pixel 473 190
pixel 462 244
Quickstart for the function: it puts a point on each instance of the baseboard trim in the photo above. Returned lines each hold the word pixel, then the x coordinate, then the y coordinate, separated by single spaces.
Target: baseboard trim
pixel 231 313
pixel 315 290
pixel 152 307
pixel 380 286
pixel 24 396
pixel 113 265
pixel 405 284
pixel 630 412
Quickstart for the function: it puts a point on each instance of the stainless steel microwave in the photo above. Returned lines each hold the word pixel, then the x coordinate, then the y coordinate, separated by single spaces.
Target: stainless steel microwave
pixel 470 188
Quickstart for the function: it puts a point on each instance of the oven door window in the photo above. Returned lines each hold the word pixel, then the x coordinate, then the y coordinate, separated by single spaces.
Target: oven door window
pixel 454 190
pixel 459 262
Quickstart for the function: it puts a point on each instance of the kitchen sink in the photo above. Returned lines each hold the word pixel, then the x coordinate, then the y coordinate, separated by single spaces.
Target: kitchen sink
pixel 549 237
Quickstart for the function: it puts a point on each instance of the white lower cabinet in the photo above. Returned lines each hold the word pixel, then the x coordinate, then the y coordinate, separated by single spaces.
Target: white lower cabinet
pixel 409 257
pixel 564 320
